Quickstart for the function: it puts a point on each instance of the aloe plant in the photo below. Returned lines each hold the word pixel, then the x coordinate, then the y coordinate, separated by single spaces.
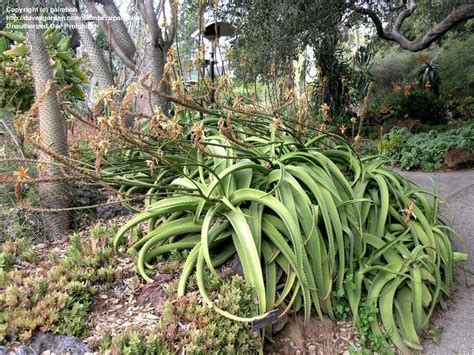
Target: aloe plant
pixel 308 220
pixel 428 76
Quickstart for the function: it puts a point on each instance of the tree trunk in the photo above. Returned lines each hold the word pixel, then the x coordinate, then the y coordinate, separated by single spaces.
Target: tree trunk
pixel 97 61
pixel 99 65
pixel 53 133
pixel 331 87
pixel 151 64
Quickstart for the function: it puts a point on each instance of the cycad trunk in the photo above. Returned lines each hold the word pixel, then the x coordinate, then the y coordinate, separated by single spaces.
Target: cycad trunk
pixel 54 195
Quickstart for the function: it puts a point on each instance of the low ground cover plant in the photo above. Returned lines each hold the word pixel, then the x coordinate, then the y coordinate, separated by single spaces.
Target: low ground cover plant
pixel 424 150
pixel 54 290
pixel 53 293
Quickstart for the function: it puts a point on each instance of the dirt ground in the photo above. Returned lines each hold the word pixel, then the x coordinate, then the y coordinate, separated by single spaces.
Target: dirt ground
pixel 315 337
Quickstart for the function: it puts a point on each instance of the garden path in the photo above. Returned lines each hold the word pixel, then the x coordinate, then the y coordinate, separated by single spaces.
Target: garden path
pixel 457 187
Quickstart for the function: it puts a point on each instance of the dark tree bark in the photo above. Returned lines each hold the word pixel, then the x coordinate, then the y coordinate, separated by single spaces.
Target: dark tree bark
pixel 331 87
pixel 458 15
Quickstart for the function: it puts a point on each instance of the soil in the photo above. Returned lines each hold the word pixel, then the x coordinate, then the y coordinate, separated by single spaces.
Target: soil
pixel 315 337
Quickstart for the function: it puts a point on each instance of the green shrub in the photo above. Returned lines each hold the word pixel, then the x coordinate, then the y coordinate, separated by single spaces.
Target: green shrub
pixel 393 141
pixel 458 67
pixel 368 147
pixel 465 107
pixel 393 68
pixel 424 150
pixel 410 102
pixel 419 104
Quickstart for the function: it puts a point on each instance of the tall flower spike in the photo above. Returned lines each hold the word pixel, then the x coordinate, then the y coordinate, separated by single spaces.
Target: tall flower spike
pixel 275 124
pixel 175 129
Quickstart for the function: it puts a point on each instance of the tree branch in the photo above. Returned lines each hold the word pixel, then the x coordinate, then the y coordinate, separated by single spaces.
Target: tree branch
pixel 403 16
pixel 375 19
pixel 457 15
pixel 127 59
pixel 121 34
pixel 145 7
pixel 173 22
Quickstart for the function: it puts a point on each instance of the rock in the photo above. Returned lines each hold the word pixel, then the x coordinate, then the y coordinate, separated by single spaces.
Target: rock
pixel 153 293
pixel 459 158
pixel 235 265
pixel 59 344
pixel 411 125
pixel 107 212
pixel 24 350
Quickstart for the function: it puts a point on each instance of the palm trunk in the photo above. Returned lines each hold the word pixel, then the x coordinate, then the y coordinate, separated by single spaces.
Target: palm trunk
pixel 152 61
pixel 99 65
pixel 53 133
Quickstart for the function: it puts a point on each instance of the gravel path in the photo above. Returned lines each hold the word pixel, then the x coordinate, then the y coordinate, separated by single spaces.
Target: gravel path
pixel 457 187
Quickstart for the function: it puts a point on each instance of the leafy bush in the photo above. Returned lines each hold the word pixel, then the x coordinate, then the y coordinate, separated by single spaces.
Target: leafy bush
pixel 465 107
pixel 419 104
pixel 368 147
pixel 458 67
pixel 424 150
pixel 16 83
pixel 409 101
pixel 393 141
pixel 392 68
